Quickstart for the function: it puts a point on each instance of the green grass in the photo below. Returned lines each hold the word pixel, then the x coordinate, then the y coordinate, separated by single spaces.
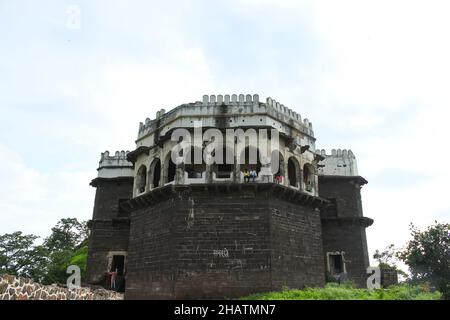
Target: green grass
pixel 333 291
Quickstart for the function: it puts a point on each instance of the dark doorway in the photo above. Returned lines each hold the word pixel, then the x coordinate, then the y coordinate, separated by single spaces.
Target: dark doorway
pixel 142 178
pixel 118 262
pixel 336 264
pixel 249 154
pixel 308 177
pixel 195 167
pixel 171 171
pixel 292 172
pixel 224 163
pixel 156 174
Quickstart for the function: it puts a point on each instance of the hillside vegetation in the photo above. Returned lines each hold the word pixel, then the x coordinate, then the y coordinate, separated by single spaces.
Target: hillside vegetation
pixel 333 291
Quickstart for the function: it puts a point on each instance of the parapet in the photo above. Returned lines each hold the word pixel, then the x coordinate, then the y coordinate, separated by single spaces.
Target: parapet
pixel 230 99
pixel 338 163
pixel 240 104
pixel 115 166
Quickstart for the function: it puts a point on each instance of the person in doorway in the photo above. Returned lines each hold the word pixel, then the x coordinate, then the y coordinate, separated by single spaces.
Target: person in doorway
pixel 113 275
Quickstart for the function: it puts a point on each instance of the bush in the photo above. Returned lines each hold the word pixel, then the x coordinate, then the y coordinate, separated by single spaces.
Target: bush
pixel 334 291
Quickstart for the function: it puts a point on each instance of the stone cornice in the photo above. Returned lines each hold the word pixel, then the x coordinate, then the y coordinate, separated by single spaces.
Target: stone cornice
pixel 113 221
pixel 133 155
pixel 358 179
pixel 266 190
pixel 361 221
pixel 98 181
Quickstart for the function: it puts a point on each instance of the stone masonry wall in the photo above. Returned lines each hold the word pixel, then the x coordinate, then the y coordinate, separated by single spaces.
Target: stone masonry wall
pixel 217 243
pixel 296 246
pixel 14 288
pixel 109 227
pixel 343 224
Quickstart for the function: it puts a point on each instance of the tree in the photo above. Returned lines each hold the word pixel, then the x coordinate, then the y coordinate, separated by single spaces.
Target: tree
pixel 386 258
pixel 67 238
pixel 428 256
pixel 47 262
pixel 67 235
pixel 17 257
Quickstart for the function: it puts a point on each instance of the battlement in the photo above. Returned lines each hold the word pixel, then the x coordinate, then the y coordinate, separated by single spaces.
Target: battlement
pixel 288 112
pixel 115 166
pixel 230 99
pixel 337 153
pixel 239 104
pixel 338 163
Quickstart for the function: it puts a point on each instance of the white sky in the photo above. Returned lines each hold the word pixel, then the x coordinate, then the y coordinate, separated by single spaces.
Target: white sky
pixel 372 76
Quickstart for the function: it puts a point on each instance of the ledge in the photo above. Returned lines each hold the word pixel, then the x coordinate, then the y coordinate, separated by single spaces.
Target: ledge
pixel 133 155
pixel 113 221
pixel 98 181
pixel 360 180
pixel 269 190
pixel 361 221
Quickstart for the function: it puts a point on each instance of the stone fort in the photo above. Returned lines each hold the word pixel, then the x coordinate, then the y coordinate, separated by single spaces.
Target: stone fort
pixel 194 230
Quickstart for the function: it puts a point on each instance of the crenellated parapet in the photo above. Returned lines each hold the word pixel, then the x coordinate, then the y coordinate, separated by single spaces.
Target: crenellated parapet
pixel 237 108
pixel 114 166
pixel 230 99
pixel 341 162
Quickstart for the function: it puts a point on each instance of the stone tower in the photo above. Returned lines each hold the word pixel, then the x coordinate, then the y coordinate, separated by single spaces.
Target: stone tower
pixel 110 225
pixel 199 229
pixel 343 223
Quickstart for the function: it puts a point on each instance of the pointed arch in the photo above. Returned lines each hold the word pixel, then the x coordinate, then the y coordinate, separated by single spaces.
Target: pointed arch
pixel 293 172
pixel 170 169
pixel 155 173
pixel 308 177
pixel 250 159
pixel 141 179
pixel 223 166
pixel 277 166
pixel 195 169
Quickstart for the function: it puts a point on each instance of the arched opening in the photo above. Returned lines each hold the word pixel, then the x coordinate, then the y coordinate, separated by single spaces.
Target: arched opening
pixel 141 179
pixel 293 171
pixel 277 162
pixel 308 177
pixel 170 169
pixel 224 163
pixel 155 171
pixel 250 163
pixel 195 168
pixel 250 159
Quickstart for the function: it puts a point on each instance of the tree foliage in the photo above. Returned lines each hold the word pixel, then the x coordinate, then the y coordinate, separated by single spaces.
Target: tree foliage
pixel 17 256
pixel 428 256
pixel 46 263
pixel 386 258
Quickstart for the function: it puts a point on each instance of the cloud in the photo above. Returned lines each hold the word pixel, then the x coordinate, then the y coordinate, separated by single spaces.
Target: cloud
pixel 33 202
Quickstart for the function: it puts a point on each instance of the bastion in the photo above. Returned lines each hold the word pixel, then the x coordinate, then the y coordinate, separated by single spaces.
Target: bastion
pixel 248 205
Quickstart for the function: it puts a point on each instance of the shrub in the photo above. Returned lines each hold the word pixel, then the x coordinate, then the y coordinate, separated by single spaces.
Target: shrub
pixel 334 291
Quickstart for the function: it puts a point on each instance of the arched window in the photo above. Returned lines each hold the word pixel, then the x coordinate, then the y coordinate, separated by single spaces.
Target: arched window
pixel 250 159
pixel 277 166
pixel 170 169
pixel 308 176
pixel 195 167
pixel 155 172
pixel 141 179
pixel 293 171
pixel 224 163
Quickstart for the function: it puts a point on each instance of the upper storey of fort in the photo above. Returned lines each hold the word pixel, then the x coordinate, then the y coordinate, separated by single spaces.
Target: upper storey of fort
pixel 298 163
pixel 229 111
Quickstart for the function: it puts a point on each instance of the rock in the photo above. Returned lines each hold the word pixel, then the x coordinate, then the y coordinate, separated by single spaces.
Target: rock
pixel 3 287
